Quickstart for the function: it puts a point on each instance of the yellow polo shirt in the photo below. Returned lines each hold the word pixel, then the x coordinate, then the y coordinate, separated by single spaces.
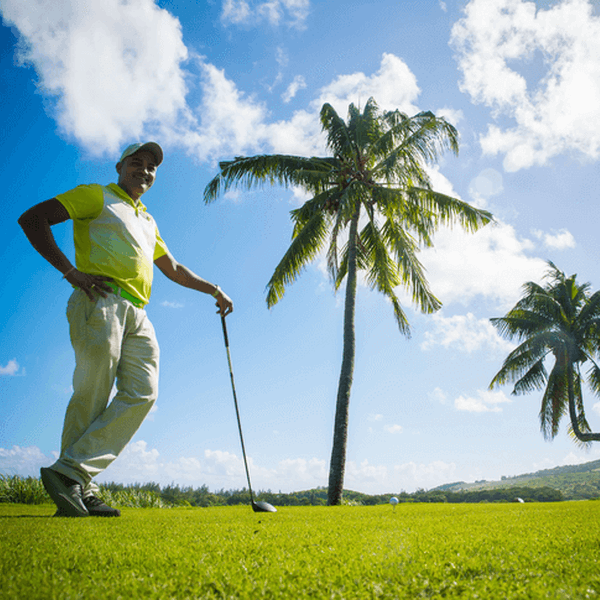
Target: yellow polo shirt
pixel 114 236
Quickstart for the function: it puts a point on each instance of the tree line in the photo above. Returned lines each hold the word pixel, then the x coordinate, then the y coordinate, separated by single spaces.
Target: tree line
pixel 175 495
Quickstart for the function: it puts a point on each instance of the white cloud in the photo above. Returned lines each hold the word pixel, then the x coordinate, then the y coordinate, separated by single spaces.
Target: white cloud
pixel 230 123
pixel 498 44
pixel 25 462
pixel 11 368
pixel 453 116
pixel 465 333
pixel 89 56
pixel 491 263
pixel 438 395
pixel 292 13
pixel 219 469
pixel 169 304
pixel 486 401
pixel 559 240
pixel 393 429
pixel 297 84
pixel 394 86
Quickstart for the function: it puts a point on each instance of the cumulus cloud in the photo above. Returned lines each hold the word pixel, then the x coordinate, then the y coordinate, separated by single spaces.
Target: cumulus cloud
pixel 224 470
pixel 11 368
pixel 219 469
pixel 25 462
pixel 486 401
pixel 451 115
pixel 500 43
pixel 558 240
pixel 90 56
pixel 231 122
pixel 291 13
pixel 465 333
pixel 492 263
pixel 394 86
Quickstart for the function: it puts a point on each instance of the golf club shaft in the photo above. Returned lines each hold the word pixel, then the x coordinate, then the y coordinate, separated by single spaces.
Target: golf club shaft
pixel 237 410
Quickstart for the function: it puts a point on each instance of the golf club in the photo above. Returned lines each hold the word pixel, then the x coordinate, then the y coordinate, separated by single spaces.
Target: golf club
pixel 256 506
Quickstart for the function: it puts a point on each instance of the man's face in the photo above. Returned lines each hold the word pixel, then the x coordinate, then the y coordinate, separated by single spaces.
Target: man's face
pixel 137 173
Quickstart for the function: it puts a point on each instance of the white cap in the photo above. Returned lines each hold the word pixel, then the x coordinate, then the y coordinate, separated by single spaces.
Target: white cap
pixel 150 146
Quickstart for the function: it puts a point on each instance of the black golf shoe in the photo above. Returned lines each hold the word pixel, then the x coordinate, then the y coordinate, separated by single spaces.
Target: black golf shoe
pixel 95 508
pixel 66 493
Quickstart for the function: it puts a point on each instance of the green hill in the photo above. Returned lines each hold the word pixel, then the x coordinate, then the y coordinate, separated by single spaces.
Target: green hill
pixel 576 482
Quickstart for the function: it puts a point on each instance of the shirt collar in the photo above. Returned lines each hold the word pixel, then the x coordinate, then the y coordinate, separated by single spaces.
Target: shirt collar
pixel 138 205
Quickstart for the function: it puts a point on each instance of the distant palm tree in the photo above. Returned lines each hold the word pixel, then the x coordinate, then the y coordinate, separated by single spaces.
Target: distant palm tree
pixel 560 320
pixel 372 205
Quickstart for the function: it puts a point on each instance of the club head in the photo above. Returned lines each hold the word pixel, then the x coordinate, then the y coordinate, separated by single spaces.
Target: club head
pixel 263 507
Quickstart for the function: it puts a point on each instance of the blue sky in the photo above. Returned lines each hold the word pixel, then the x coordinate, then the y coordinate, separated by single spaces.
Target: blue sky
pixel 213 80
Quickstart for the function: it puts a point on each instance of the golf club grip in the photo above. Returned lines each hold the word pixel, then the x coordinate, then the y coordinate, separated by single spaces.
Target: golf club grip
pixel 225 331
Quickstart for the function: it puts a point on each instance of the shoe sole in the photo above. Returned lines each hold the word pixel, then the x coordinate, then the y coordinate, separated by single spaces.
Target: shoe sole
pixel 105 515
pixel 60 495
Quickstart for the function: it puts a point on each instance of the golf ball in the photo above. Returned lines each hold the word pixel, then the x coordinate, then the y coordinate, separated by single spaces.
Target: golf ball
pixel 393 500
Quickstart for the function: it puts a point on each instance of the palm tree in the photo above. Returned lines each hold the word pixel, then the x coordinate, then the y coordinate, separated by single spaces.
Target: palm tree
pixel 559 321
pixel 372 205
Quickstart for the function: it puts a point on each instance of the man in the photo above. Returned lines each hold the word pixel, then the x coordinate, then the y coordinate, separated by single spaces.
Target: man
pixel 116 244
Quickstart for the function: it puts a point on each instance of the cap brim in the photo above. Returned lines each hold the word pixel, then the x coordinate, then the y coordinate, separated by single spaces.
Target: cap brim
pixel 154 148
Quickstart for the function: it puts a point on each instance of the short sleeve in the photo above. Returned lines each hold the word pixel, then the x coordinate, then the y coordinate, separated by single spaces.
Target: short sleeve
pixel 160 249
pixel 83 202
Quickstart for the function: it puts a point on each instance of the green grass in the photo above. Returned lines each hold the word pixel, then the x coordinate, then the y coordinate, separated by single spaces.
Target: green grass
pixel 488 551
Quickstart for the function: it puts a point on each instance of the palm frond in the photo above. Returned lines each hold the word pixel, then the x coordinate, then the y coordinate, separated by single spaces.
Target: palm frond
pixel 367 127
pixel 555 402
pixel 319 203
pixel 534 379
pixel 305 246
pixel 449 209
pixel 417 140
pixel 339 140
pixel 411 271
pixel 312 174
pixel 521 360
pixel 520 324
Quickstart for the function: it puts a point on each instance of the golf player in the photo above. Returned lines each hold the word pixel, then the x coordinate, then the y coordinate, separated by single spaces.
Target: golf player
pixel 116 244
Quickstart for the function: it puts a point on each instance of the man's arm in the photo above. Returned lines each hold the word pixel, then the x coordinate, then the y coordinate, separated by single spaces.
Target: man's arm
pixel 36 223
pixel 183 276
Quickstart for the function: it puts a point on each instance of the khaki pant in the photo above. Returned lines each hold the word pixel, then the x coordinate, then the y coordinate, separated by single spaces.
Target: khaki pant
pixel 113 340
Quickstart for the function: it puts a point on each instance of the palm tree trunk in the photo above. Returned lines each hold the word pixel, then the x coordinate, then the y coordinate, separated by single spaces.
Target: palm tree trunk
pixel 584 437
pixel 337 465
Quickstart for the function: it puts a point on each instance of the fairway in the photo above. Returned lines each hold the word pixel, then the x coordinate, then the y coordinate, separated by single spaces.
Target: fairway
pixel 486 551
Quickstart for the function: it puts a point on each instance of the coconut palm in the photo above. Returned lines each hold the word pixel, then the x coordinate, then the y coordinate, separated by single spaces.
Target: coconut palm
pixel 372 205
pixel 559 321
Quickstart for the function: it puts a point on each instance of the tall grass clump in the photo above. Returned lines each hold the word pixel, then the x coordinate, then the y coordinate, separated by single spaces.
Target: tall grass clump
pixel 132 498
pixel 15 489
pixel 22 490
